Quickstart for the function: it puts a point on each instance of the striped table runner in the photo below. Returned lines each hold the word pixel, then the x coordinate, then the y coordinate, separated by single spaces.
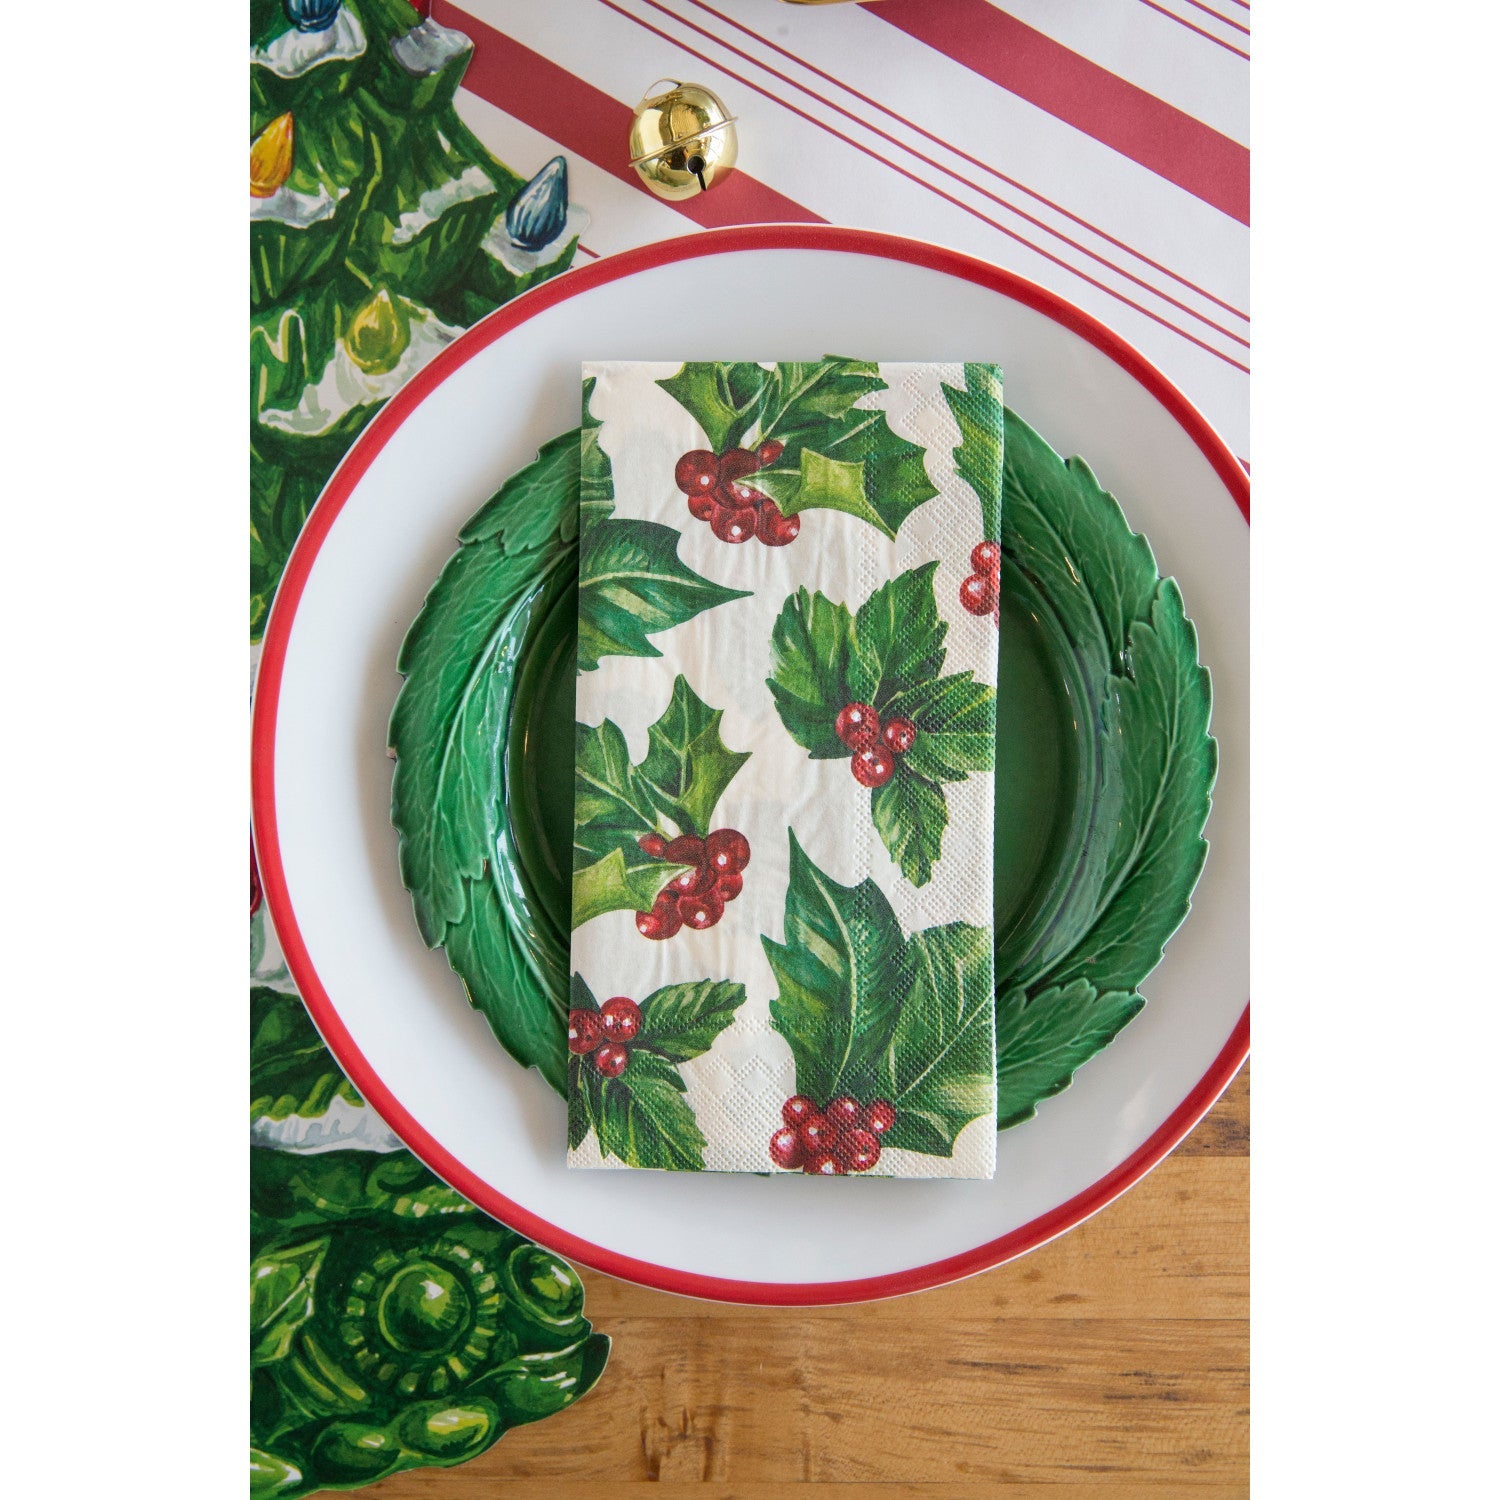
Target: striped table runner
pixel 1099 147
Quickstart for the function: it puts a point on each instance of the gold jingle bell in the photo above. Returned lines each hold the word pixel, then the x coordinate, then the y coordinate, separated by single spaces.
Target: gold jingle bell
pixel 682 141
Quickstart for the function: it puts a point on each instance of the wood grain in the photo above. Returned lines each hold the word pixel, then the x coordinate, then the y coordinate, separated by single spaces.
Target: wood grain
pixel 1112 1364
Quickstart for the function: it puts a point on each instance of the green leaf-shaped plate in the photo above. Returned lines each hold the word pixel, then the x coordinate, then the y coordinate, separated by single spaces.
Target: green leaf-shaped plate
pixel 1100 801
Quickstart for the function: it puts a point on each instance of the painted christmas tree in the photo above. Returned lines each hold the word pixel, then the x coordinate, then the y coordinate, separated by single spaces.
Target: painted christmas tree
pixel 380 228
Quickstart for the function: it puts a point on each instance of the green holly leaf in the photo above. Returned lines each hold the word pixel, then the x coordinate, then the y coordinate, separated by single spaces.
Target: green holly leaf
pixel 613 884
pixel 580 1118
pixel 645 1121
pixel 811 644
pixel 955 719
pixel 723 398
pixel 613 807
pixel 607 790
pixel 898 638
pixel 680 1021
pixel 1167 785
pixel 585 1099
pixel 838 976
pixel 910 814
pixel 939 1068
pixel 283 1282
pixel 291 1071
pixel 687 764
pixel 1041 1041
pixel 979 458
pixel 835 455
pixel 888 654
pixel 615 802
pixel 596 485
pixel 632 584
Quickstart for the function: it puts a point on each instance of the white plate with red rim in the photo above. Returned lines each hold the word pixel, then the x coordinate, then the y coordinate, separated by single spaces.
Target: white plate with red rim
pixel 395 1015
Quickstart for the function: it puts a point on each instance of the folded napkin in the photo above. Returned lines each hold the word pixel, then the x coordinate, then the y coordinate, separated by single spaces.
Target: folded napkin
pixel 784 803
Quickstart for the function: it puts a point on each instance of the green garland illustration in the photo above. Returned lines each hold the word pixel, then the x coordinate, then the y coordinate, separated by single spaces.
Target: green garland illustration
pixel 380 228
pixel 392 1324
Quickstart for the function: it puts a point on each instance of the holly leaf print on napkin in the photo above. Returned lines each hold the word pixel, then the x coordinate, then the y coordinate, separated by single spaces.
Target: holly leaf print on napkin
pixel 640 1115
pixel 617 803
pixel 885 657
pixel 979 408
pixel 875 1015
pixel 631 583
pixel 829 452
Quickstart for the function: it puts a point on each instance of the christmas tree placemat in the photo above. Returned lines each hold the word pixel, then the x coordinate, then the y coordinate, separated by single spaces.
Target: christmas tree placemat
pixel 784 803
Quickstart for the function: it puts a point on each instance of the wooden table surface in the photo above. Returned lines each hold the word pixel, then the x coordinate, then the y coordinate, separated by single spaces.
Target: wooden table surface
pixel 1111 1363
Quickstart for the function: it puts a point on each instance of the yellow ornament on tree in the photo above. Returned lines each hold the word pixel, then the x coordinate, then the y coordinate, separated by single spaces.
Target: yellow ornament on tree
pixel 378 334
pixel 271 157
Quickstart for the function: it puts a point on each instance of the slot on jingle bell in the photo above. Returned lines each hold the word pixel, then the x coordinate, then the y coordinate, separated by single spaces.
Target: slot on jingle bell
pixel 682 141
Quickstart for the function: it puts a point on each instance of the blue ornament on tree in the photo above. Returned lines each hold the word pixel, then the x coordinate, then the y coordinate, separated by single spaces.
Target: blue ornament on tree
pixel 312 15
pixel 539 212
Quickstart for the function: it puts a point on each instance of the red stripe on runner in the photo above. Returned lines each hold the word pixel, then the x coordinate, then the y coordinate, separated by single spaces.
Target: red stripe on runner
pixel 973 161
pixel 594 125
pixel 1020 239
pixel 1208 10
pixel 1207 36
pixel 1032 66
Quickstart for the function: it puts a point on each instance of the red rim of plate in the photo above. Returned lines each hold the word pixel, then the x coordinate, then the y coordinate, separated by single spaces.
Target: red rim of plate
pixel 263 765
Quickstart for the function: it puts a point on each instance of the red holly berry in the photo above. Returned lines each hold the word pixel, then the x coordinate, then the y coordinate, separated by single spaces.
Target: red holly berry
pixel 726 850
pixel 858 1150
pixel 798 1110
pixel 858 725
pixel 816 1133
pixel 880 1116
pixel 702 506
pixel 690 881
pixel 845 1112
pixel 621 1019
pixel 823 1164
pixel 979 593
pixel 733 523
pixel 585 1031
pixel 255 896
pixel 786 1148
pixel 769 452
pixel 736 464
pixel 873 767
pixel 729 885
pixel 653 844
pixel 611 1058
pixel 898 735
pixel 697 472
pixel 738 494
pixel 773 528
pixel 685 849
pixel 985 558
pixel 702 909
pixel 663 921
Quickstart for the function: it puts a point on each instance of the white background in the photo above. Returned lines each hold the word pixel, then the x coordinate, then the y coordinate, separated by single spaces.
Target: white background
pixel 1374 403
